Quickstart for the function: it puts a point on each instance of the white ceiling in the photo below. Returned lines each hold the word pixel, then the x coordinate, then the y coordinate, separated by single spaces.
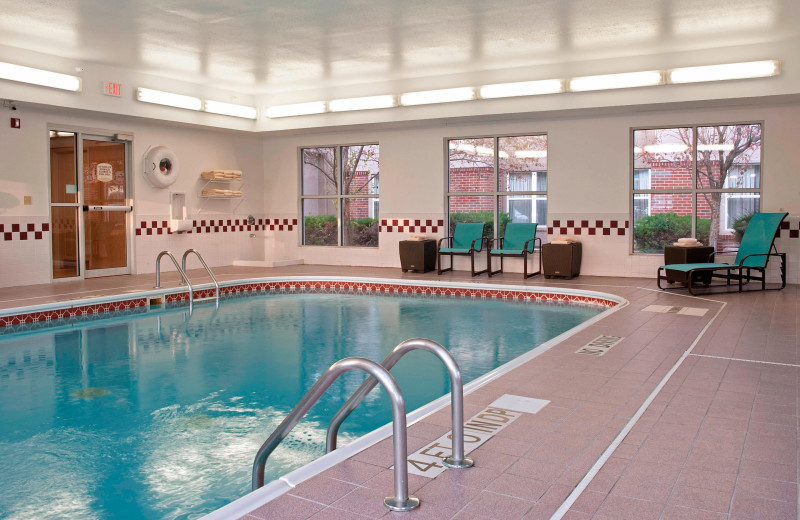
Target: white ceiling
pixel 274 51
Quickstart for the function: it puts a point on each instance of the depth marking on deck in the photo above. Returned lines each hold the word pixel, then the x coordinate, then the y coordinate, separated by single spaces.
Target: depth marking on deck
pixel 426 461
pixel 599 345
pixel 684 311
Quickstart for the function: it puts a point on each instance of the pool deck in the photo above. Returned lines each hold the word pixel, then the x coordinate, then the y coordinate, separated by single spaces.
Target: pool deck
pixel 714 398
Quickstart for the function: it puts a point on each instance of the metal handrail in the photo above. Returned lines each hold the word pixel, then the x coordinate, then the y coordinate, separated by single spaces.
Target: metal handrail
pixel 401 501
pixel 457 459
pixel 181 271
pixel 197 253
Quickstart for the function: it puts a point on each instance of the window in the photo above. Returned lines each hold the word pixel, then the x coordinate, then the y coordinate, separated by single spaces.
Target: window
pixel 694 181
pixel 339 195
pixel 497 180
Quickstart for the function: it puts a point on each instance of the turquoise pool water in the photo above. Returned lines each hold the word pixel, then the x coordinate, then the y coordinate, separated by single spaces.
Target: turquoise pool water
pixel 159 415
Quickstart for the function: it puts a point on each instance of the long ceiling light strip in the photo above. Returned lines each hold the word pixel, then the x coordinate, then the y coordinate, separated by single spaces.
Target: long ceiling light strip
pixel 362 103
pixel 447 95
pixel 39 77
pixel 612 81
pixel 522 88
pixel 729 71
pixel 755 69
pixel 159 97
pixel 229 109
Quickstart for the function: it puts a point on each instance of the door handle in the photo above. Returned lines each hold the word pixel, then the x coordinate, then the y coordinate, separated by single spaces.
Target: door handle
pixel 126 209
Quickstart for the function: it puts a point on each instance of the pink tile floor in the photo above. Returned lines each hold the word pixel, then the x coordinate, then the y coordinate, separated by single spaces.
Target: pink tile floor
pixel 719 441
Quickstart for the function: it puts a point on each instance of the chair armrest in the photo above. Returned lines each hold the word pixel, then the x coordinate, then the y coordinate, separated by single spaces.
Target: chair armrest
pixel 534 240
pixel 439 245
pixel 482 240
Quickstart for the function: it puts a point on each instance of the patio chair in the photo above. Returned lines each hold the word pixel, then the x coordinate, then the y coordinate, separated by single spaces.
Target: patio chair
pixel 758 245
pixel 467 240
pixel 519 241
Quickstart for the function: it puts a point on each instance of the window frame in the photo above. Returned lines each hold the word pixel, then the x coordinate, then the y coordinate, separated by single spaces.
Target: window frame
pixel 340 196
pixel 695 190
pixel 534 195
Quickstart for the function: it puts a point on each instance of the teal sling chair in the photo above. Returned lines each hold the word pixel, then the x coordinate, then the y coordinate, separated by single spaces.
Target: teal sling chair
pixel 467 240
pixel 519 240
pixel 757 247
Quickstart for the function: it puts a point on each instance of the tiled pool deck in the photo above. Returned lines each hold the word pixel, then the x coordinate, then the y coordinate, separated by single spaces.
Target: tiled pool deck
pixel 718 441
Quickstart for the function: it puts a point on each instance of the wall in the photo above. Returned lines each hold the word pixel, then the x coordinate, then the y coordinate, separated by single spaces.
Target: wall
pixel 589 169
pixel 24 170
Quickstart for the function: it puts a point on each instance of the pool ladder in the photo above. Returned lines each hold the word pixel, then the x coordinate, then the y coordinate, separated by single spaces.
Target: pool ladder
pixel 184 278
pixel 401 501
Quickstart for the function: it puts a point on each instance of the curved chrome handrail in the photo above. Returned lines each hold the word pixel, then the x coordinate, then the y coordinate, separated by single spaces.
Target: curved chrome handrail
pixel 181 271
pixel 401 501
pixel 197 253
pixel 457 459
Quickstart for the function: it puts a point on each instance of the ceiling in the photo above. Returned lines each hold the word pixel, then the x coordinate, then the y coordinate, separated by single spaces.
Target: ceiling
pixel 276 51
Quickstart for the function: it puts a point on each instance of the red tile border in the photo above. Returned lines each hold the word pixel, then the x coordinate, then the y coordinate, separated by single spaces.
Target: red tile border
pixel 588 227
pixel 410 225
pixel 223 225
pixel 312 286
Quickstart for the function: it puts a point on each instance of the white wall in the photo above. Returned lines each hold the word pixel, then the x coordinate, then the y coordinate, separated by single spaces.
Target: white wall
pixel 589 178
pixel 24 170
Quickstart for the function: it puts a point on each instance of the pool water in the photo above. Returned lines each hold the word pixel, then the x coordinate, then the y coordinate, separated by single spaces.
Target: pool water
pixel 160 415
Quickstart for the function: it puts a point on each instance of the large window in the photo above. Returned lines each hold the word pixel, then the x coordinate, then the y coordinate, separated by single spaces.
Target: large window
pixel 339 195
pixel 694 181
pixel 498 180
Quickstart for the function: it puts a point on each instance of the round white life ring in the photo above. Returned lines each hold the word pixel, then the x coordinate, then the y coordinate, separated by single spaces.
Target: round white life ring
pixel 160 167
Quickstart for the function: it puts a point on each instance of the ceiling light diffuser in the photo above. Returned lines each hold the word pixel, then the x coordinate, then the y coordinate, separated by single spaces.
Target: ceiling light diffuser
pixel 666 148
pixel 447 95
pixel 715 147
pixel 361 103
pixel 159 97
pixel 522 88
pixel 228 109
pixel 39 77
pixel 750 69
pixel 297 109
pixel 611 81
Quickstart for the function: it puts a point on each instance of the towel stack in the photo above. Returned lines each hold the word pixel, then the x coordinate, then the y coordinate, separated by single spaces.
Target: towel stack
pixel 216 192
pixel 564 240
pixel 687 242
pixel 222 175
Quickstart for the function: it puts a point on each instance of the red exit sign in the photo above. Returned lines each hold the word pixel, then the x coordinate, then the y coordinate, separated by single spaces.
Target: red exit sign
pixel 112 89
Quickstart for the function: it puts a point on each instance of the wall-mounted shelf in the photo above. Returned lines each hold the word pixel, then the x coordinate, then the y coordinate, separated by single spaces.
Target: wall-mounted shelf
pixel 221 184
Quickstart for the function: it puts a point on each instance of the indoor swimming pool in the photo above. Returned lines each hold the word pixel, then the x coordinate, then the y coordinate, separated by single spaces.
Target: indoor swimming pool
pixel 159 414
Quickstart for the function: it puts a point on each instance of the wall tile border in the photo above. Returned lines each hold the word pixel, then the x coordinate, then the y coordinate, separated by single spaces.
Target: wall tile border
pixel 27 231
pixel 223 225
pixel 589 227
pixel 410 225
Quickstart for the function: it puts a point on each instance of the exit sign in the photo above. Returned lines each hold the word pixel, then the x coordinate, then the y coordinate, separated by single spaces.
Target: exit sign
pixel 112 89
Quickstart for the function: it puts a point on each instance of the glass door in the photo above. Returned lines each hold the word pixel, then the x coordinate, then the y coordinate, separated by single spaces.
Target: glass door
pixel 106 206
pixel 64 204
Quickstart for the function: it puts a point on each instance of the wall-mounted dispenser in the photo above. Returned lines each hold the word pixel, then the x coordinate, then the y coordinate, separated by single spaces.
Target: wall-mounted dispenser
pixel 178 223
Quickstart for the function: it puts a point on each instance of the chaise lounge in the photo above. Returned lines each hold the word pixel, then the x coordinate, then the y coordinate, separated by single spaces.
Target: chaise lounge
pixel 467 240
pixel 758 245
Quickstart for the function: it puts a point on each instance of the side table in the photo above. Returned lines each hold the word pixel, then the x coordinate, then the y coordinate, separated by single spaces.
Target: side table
pixel 418 255
pixel 686 255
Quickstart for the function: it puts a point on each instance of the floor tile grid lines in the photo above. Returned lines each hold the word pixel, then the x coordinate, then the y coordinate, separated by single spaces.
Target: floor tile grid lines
pixel 608 453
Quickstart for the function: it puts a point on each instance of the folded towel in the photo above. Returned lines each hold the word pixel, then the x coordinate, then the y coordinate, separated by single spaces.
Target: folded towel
pixel 687 240
pixel 563 241
pixel 685 244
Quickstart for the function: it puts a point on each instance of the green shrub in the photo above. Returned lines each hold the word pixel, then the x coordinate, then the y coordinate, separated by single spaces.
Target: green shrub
pixel 740 224
pixel 653 232
pixel 320 230
pixel 362 232
pixel 486 217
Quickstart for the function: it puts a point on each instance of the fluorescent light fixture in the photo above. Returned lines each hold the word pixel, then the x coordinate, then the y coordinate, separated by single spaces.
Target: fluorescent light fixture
pixel 714 147
pixel 39 77
pixel 530 154
pixel 297 109
pixel 610 81
pixel 159 97
pixel 361 103
pixel 447 95
pixel 750 69
pixel 228 109
pixel 666 148
pixel 523 88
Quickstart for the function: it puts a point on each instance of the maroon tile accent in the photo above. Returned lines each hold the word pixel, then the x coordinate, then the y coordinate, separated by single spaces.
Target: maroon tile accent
pixel 21 231
pixel 409 226
pixel 587 227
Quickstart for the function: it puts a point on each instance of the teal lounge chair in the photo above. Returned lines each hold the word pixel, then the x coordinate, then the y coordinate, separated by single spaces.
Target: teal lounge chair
pixel 520 241
pixel 758 245
pixel 467 240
